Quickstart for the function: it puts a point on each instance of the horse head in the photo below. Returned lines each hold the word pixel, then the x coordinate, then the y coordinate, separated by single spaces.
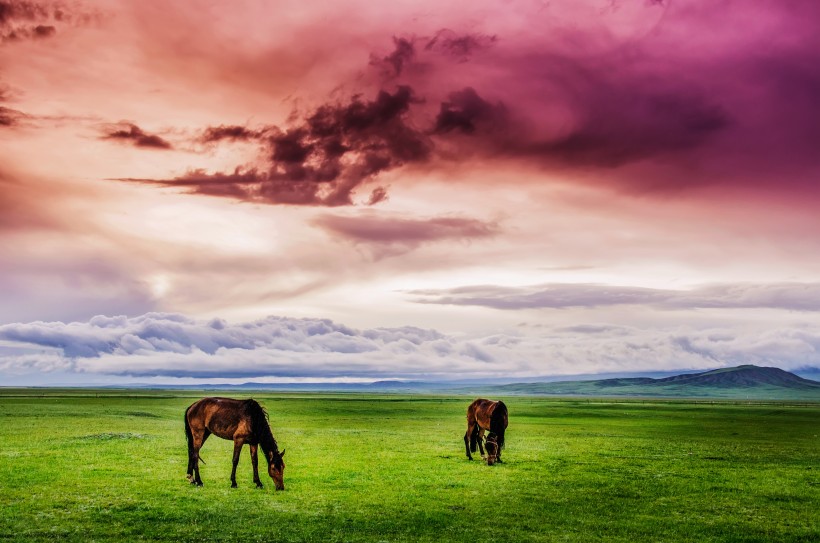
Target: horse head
pixel 492 450
pixel 276 468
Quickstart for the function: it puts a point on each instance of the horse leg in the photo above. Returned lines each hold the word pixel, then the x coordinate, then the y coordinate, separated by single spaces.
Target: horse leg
pixel 199 441
pixel 237 448
pixel 468 436
pixel 481 441
pixel 255 462
pixel 190 472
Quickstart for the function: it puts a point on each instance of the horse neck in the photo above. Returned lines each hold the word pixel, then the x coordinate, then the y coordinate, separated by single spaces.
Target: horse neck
pixel 266 440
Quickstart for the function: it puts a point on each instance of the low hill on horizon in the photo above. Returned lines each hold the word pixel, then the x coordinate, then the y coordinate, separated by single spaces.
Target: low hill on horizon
pixel 746 381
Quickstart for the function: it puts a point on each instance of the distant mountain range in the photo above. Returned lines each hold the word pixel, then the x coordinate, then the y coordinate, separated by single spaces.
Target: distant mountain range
pixel 748 381
pixel 741 382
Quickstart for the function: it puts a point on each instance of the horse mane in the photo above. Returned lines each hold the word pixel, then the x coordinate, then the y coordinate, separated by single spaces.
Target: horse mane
pixel 497 420
pixel 261 428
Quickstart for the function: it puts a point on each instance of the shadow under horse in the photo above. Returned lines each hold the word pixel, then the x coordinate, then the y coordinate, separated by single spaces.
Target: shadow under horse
pixel 242 421
pixel 490 416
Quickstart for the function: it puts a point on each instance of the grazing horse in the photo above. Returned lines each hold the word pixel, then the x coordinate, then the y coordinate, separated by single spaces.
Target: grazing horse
pixel 242 421
pixel 490 416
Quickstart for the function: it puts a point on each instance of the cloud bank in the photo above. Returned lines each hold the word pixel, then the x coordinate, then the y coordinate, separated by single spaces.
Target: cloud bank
pixel 172 345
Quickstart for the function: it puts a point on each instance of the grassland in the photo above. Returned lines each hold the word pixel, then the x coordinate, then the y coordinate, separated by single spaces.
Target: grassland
pixel 78 467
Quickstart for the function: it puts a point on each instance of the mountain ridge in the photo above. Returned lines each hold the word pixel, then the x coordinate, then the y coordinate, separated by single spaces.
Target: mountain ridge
pixel 746 380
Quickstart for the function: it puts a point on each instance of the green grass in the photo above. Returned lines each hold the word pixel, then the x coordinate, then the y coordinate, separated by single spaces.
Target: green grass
pixel 671 390
pixel 76 467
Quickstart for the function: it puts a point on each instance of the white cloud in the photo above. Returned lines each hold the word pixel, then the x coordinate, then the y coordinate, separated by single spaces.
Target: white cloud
pixel 175 346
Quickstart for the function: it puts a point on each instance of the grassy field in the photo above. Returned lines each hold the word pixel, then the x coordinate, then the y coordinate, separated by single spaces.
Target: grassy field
pixel 76 467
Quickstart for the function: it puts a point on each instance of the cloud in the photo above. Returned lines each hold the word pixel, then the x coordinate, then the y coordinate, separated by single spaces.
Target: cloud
pixel 611 118
pixel 10 117
pixel 390 236
pixel 127 132
pixel 785 296
pixel 215 134
pixel 172 345
pixel 459 46
pixel 392 64
pixel 319 160
pixel 465 111
pixel 445 43
pixel 27 20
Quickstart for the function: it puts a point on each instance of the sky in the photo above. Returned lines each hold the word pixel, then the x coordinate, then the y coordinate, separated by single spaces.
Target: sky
pixel 281 191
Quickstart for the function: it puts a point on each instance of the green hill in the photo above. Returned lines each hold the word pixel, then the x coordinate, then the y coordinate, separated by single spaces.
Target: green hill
pixel 741 382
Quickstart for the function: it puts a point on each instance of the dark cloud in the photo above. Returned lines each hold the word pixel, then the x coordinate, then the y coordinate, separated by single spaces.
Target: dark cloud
pixel 465 110
pixel 23 20
pixel 644 116
pixel 127 132
pixel 10 117
pixel 19 10
pixel 783 296
pixel 459 46
pixel 214 134
pixel 322 159
pixel 624 127
pixel 392 65
pixel 241 184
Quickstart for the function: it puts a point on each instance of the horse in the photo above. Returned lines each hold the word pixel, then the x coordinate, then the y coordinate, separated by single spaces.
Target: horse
pixel 486 415
pixel 243 421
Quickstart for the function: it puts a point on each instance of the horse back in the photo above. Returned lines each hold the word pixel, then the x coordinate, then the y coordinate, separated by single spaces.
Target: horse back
pixel 488 413
pixel 223 417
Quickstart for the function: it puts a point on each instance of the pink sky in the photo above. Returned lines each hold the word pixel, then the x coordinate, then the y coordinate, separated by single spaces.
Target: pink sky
pixel 460 189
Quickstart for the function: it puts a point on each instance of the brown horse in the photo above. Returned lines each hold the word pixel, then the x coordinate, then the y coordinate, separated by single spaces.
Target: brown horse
pixel 243 421
pixel 490 416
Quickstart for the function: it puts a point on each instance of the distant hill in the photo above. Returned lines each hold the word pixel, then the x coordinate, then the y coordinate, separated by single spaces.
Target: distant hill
pixel 748 381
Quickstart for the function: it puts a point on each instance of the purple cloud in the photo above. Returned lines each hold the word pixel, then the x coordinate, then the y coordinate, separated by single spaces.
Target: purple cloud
pixel 130 133
pixel 389 236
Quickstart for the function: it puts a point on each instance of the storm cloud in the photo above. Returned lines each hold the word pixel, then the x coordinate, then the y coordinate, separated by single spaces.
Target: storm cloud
pixel 320 160
pixel 648 116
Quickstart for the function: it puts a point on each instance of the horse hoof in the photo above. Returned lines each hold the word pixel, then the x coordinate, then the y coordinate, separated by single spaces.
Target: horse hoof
pixel 260 485
pixel 233 485
pixel 199 483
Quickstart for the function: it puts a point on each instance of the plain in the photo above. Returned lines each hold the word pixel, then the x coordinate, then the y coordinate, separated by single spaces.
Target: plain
pixel 82 465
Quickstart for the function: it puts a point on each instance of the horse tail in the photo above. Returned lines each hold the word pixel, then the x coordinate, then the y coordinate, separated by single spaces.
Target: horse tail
pixel 189 436
pixel 498 422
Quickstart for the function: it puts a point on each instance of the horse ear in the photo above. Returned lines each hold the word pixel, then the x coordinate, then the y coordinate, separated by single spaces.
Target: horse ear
pixel 282 454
